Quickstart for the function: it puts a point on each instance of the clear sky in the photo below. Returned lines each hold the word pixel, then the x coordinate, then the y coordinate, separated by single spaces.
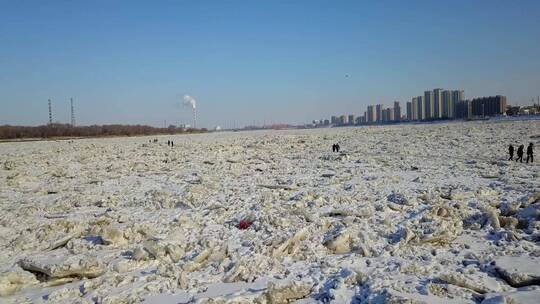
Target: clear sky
pixel 256 61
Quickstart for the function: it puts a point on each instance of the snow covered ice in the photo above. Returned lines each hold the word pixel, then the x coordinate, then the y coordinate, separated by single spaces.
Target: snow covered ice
pixel 403 214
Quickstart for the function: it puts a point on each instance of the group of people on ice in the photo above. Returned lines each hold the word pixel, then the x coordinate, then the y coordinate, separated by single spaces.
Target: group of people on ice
pixel 520 153
pixel 530 156
pixel 170 143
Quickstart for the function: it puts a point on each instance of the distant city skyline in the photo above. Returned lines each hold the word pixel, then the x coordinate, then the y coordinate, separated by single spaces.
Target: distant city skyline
pixel 132 62
pixel 435 104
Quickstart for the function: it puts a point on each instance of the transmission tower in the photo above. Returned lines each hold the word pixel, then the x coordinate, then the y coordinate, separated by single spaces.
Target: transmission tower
pixel 72 113
pixel 50 112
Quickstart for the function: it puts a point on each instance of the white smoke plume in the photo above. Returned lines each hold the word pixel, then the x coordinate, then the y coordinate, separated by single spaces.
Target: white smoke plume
pixel 190 101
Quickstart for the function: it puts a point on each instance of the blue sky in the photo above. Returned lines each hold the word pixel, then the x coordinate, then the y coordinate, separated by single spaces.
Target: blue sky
pixel 256 61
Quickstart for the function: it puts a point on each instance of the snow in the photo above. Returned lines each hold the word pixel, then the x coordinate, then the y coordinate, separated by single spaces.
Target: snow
pixel 519 270
pixel 418 213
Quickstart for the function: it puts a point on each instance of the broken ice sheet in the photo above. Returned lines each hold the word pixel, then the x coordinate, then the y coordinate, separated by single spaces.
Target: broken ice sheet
pixel 416 212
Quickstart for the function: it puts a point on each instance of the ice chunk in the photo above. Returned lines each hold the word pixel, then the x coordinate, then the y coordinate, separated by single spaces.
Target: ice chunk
pixel 113 236
pixel 534 198
pixel 519 271
pixel 338 241
pixel 525 295
pixel 287 292
pixel 14 280
pixel 60 266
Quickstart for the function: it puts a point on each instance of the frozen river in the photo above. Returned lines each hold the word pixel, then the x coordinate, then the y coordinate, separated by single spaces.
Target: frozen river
pixel 403 214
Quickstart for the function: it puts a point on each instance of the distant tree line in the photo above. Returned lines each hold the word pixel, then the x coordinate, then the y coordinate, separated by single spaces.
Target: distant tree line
pixel 66 130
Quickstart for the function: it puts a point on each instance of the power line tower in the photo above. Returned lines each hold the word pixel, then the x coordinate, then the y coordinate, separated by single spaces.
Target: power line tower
pixel 50 112
pixel 72 113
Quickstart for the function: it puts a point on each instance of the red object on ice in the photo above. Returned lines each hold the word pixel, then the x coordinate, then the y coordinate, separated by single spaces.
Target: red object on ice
pixel 243 225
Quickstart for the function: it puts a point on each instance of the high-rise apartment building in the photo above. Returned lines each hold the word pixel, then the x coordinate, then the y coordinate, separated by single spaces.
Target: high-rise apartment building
pixel 463 109
pixel 437 103
pixel 429 105
pixel 447 104
pixel 343 120
pixel 414 114
pixel 421 108
pixel 489 106
pixel 371 114
pixel 352 119
pixel 397 111
pixel 391 116
pixel 378 110
pixel 334 120
pixel 457 97
pixel 384 115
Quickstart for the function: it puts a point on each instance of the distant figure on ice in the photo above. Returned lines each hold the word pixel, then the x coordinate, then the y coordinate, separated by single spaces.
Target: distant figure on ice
pixel 530 152
pixel 520 154
pixel 335 148
pixel 511 152
pixel 168 142
pixel 172 143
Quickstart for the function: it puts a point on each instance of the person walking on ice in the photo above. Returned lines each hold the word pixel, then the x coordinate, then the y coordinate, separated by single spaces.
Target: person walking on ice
pixel 530 152
pixel 520 154
pixel 511 152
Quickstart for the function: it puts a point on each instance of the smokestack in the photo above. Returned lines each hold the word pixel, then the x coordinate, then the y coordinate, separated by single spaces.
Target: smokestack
pixel 191 102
